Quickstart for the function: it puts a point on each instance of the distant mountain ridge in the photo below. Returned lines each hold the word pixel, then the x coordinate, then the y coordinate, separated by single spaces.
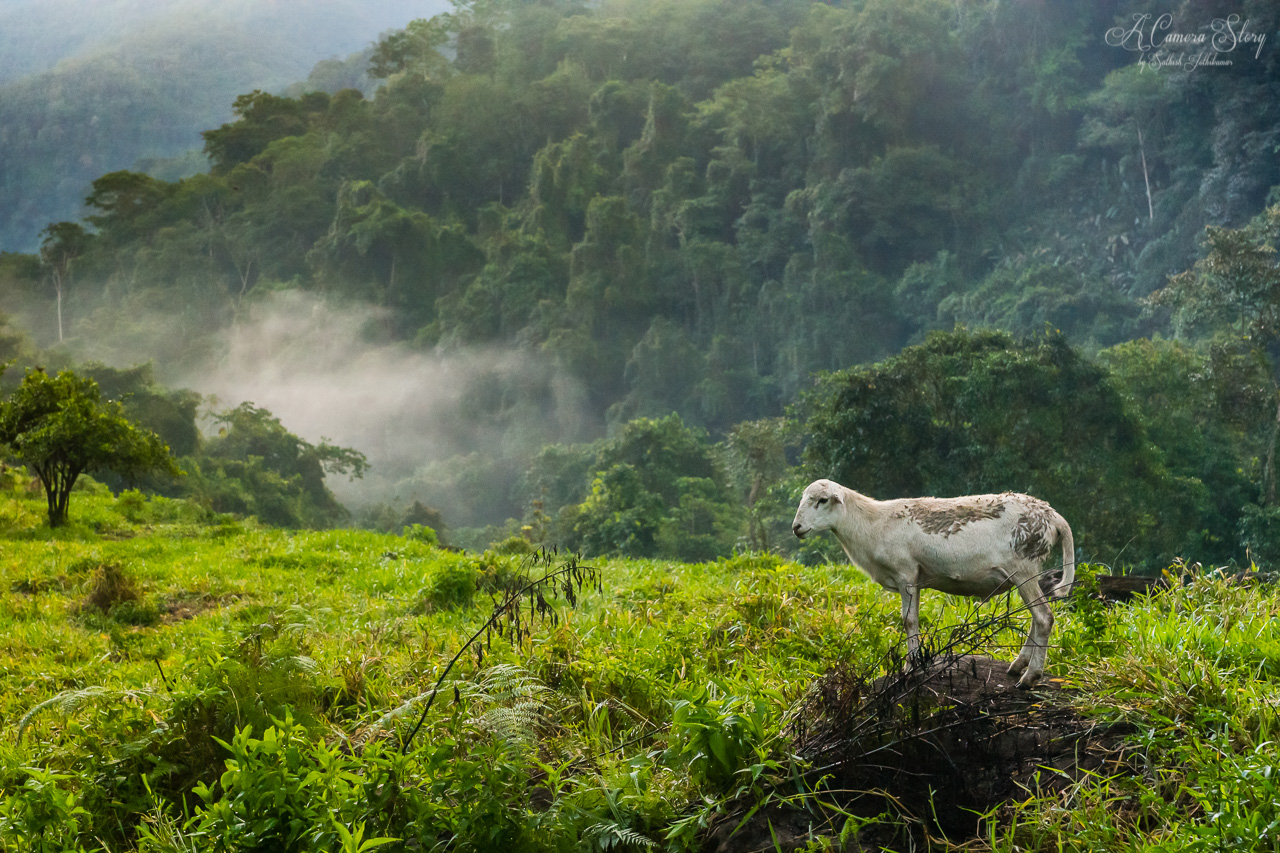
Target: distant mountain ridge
pixel 89 88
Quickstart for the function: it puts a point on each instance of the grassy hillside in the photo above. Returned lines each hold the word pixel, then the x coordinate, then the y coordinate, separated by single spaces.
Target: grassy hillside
pixel 176 681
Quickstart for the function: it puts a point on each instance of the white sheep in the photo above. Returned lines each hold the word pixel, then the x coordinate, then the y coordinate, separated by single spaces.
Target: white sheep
pixel 978 545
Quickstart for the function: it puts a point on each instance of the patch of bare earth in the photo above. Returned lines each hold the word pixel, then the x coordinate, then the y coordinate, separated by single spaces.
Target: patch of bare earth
pixel 184 606
pixel 935 747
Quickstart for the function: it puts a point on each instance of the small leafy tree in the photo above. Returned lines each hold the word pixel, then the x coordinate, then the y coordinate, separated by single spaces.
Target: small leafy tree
pixel 655 490
pixel 255 466
pixel 60 428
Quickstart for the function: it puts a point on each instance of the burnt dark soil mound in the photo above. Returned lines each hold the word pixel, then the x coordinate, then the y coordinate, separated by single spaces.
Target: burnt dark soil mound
pixel 934 747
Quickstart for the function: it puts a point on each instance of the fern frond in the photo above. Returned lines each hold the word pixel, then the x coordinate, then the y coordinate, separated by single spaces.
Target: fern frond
pixel 69 701
pixel 519 724
pixel 505 683
pixel 300 663
pixel 398 711
pixel 615 836
pixel 516 704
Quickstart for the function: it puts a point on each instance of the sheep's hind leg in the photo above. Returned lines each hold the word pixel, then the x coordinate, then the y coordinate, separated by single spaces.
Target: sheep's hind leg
pixel 1031 659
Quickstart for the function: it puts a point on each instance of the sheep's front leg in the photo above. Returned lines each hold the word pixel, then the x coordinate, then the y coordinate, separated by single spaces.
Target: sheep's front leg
pixel 911 622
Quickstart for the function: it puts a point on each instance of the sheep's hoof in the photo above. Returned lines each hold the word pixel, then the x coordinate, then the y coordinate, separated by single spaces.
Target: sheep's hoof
pixel 1018 665
pixel 1030 677
pixel 1027 682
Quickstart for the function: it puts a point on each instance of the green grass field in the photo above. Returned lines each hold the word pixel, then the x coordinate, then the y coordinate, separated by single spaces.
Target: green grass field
pixel 176 681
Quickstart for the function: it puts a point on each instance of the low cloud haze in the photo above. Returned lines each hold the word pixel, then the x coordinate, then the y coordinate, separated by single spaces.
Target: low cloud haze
pixel 313 365
pixel 88 88
pixel 35 35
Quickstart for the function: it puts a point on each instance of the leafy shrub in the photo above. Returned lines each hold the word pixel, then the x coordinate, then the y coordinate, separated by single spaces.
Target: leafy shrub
pixel 284 791
pixel 420 533
pixel 514 545
pixel 264 677
pixel 451 587
pixel 1088 610
pixel 717 734
pixel 456 582
pixel 42 814
pixel 132 505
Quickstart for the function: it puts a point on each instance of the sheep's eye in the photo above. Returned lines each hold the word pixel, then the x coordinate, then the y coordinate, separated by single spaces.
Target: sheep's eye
pixel 821 501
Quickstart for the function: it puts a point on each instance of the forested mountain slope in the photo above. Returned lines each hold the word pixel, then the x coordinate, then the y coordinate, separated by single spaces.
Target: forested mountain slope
pixel 694 205
pixel 87 88
pixel 655 206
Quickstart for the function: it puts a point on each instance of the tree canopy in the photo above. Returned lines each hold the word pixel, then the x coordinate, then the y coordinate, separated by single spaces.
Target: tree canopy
pixel 254 466
pixel 973 413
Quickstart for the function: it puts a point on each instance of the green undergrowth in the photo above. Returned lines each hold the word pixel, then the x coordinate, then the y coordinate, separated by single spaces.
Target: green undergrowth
pixel 175 681
pixel 1195 671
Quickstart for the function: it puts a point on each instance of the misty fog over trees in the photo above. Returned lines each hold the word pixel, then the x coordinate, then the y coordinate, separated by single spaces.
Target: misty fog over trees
pixel 618 275
pixel 90 87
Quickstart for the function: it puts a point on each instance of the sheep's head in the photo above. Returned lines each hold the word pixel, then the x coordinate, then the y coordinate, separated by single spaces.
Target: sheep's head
pixel 821 500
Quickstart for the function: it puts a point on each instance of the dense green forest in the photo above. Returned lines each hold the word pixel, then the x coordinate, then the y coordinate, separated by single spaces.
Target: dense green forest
pixel 672 216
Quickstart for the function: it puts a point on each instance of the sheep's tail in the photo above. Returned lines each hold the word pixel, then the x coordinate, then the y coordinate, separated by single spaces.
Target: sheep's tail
pixel 1068 544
